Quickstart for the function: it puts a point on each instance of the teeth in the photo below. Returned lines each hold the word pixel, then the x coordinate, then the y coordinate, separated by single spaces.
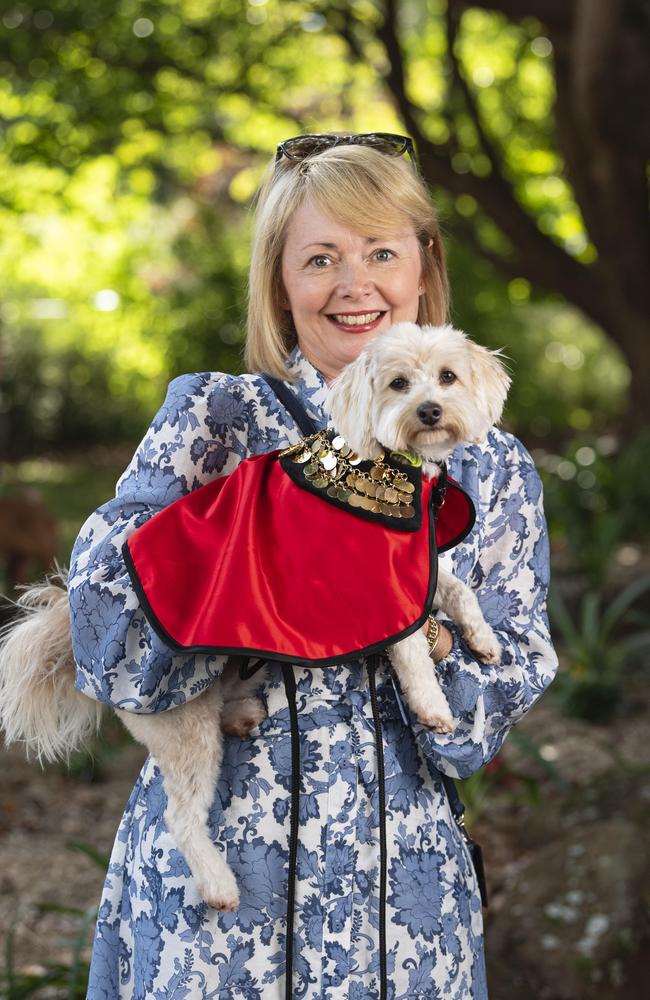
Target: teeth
pixel 357 320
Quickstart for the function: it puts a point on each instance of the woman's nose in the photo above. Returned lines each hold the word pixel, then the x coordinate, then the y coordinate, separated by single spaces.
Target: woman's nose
pixel 354 278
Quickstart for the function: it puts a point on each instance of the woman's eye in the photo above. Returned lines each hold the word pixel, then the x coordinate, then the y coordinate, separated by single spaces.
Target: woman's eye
pixel 385 250
pixel 447 376
pixel 319 256
pixel 399 384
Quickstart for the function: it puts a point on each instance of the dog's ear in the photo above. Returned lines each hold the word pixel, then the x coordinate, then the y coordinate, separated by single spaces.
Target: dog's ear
pixel 349 403
pixel 491 382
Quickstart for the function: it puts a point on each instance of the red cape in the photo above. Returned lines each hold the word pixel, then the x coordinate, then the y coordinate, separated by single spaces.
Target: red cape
pixel 253 563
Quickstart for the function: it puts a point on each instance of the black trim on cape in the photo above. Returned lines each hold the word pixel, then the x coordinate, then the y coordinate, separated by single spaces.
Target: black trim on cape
pixel 267 654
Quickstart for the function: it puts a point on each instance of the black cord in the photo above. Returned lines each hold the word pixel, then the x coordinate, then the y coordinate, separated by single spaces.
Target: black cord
pixel 290 689
pixel 372 667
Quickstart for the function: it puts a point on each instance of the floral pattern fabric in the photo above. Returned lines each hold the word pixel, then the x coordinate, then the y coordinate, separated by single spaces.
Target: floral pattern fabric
pixel 155 938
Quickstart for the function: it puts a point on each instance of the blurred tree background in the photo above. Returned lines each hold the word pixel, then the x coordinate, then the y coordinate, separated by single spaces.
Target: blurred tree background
pixel 134 136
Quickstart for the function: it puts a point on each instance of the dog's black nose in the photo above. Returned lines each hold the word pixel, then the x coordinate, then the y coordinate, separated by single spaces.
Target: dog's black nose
pixel 429 413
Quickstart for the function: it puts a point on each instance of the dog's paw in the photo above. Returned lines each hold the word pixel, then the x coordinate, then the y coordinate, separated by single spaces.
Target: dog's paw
pixel 434 713
pixel 484 643
pixel 220 890
pixel 240 716
pixel 437 722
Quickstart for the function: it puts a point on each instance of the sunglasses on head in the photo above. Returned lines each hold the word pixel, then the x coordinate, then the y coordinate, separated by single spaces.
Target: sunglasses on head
pixel 299 147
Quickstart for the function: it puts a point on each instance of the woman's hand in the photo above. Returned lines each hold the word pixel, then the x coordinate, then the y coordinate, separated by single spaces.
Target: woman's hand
pixel 443 644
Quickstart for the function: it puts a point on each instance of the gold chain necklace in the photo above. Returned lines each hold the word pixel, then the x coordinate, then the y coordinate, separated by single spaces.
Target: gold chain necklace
pixel 331 465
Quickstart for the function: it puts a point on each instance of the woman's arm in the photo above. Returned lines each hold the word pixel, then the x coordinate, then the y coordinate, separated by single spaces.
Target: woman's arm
pixel 200 432
pixel 510 578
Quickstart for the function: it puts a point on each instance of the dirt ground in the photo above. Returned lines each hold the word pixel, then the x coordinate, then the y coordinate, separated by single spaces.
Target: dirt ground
pixel 41 812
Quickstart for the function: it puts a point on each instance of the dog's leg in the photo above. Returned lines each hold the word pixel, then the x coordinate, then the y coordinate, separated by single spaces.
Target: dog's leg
pixel 417 676
pixel 187 744
pixel 241 709
pixel 458 601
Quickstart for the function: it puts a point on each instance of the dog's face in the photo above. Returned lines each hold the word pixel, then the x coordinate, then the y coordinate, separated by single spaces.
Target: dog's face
pixel 420 389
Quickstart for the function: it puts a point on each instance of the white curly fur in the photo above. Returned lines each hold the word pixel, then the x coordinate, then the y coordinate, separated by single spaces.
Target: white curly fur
pixel 39 705
pixel 373 411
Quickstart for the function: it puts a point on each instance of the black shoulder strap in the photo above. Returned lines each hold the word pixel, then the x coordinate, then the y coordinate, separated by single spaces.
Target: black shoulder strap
pixel 307 426
pixel 457 807
pixel 292 404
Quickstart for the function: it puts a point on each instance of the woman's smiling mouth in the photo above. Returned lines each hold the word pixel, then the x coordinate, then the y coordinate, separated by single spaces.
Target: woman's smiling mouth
pixel 360 322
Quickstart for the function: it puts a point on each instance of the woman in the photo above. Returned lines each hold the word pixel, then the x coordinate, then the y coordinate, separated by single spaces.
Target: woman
pixel 346 244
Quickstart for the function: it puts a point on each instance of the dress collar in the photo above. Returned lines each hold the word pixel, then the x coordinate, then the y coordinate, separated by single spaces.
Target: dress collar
pixel 309 386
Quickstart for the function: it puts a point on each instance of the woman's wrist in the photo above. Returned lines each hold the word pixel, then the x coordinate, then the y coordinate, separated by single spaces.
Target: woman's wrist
pixel 439 639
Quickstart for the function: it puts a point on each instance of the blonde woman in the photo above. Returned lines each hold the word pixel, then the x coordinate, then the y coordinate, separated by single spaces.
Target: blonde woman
pixel 358 883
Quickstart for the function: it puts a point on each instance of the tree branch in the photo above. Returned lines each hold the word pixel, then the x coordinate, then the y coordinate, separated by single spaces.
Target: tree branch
pixel 544 263
pixel 452 19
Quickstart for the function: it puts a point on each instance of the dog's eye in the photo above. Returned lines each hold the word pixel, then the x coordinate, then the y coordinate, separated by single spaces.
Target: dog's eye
pixel 447 376
pixel 399 384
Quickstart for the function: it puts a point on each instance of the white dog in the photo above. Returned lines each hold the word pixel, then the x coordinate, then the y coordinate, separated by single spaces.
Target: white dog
pixel 422 390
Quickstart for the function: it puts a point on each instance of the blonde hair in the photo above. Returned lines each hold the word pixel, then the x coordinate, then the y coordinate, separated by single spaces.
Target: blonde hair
pixel 359 187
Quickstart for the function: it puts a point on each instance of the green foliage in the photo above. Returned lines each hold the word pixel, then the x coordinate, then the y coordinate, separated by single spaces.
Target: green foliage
pixel 135 137
pixel 598 646
pixel 498 778
pixel 594 497
pixel 568 378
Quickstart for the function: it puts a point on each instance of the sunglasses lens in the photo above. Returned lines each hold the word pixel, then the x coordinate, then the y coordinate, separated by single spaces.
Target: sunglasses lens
pixel 306 145
pixel 392 145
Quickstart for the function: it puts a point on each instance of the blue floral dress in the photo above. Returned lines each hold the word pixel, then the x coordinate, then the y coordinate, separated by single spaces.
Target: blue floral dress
pixel 155 938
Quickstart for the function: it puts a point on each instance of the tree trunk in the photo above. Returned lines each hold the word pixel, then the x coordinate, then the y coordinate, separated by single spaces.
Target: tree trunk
pixel 602 77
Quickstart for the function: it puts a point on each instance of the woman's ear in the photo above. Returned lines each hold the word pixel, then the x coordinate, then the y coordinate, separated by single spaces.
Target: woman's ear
pixel 349 403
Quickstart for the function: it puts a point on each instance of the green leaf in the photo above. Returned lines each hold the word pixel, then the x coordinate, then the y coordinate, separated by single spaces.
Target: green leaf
pixel 561 619
pixel 75 969
pixel 74 911
pixel 590 610
pixel 621 603
pixel 101 860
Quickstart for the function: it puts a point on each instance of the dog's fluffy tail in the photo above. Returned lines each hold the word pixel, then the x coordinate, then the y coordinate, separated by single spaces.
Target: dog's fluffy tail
pixel 39 705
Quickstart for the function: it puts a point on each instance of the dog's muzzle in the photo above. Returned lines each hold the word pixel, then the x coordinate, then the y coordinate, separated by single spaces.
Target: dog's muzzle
pixel 429 413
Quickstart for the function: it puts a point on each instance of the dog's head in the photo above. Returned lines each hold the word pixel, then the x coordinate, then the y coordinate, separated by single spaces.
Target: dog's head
pixel 419 389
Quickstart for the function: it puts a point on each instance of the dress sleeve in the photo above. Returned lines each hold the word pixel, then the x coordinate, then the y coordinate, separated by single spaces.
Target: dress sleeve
pixel 510 577
pixel 200 432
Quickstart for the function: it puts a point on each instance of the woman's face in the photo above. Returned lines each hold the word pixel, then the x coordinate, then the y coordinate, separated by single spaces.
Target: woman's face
pixel 333 277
